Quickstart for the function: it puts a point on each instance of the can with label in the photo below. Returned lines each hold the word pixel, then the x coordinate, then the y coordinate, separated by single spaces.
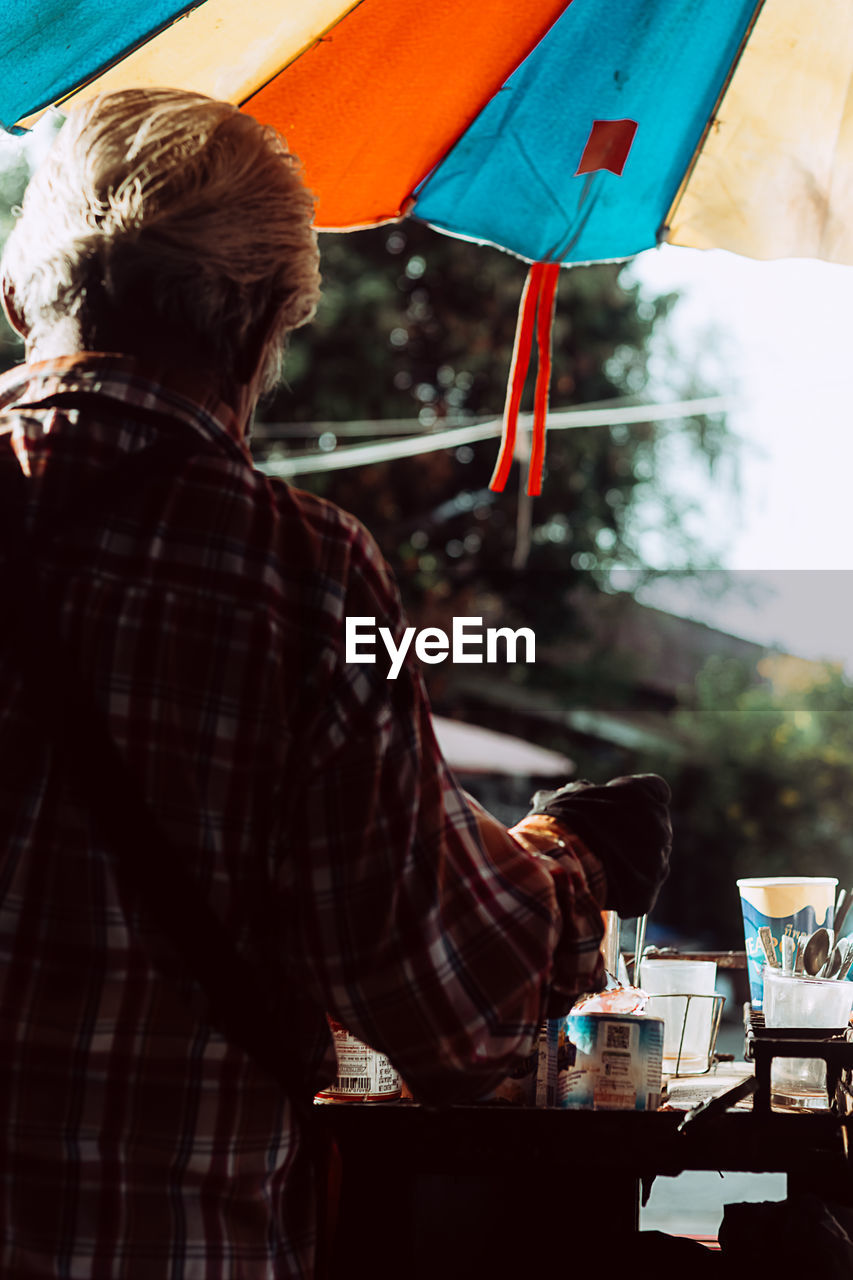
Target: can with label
pixel 364 1074
pixel 617 1062
pixel 546 1072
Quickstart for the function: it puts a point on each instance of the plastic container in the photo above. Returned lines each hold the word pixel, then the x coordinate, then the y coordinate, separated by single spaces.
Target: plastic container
pixel 791 1001
pixel 682 993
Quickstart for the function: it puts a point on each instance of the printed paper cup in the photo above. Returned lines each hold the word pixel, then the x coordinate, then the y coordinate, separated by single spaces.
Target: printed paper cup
pixel 796 905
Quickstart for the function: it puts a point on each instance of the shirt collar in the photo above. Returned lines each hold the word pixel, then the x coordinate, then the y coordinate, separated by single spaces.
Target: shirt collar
pixel 174 391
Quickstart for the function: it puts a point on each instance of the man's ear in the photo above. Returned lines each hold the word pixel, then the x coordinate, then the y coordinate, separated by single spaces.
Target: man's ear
pixel 12 310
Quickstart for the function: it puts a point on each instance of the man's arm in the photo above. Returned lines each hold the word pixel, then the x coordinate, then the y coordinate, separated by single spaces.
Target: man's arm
pixel 425 927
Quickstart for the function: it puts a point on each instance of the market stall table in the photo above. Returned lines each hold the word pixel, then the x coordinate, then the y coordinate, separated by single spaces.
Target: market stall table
pixel 485 1189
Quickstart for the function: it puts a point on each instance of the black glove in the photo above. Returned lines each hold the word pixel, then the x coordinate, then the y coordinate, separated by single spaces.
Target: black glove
pixel 626 824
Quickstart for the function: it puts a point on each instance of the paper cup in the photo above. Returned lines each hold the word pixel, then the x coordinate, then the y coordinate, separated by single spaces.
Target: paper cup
pixel 796 905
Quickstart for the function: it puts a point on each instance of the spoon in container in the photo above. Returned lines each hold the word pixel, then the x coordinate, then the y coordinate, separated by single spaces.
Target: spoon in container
pixel 847 960
pixel 815 952
pixel 799 969
pixel 833 964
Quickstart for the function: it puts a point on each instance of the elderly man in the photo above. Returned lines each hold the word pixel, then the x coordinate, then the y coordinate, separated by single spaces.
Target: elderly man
pixel 195 610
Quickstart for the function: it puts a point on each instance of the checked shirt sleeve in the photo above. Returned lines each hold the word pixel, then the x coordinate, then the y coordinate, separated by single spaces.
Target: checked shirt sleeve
pixel 426 928
pixel 580 881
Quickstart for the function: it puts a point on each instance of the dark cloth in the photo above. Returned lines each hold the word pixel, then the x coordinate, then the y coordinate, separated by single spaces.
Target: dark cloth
pixel 626 823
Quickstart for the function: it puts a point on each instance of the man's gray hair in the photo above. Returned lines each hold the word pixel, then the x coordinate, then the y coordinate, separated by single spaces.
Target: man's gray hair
pixel 173 212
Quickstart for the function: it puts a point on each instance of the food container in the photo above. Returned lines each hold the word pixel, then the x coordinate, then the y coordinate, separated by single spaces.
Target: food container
pixel 612 1062
pixel 364 1074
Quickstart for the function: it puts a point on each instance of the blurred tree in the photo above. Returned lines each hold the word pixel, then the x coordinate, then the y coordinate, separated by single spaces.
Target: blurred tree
pixel 764 788
pixel 14 175
pixel 419 326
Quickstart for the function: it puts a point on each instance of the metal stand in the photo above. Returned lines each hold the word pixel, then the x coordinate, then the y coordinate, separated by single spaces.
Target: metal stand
pixel 830 1044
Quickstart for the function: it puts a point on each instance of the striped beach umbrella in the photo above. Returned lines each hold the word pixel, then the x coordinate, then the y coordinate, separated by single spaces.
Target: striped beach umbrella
pixel 562 132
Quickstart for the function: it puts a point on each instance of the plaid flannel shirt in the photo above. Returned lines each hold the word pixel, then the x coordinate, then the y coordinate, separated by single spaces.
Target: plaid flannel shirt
pixel 311 802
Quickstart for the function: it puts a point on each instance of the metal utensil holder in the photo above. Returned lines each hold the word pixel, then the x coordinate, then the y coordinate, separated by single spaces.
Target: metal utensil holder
pixel 716 1014
pixel 833 1045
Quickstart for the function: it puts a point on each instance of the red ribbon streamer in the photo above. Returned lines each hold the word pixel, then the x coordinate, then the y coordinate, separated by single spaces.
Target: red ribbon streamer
pixel 539 294
pixel 544 327
pixel 517 375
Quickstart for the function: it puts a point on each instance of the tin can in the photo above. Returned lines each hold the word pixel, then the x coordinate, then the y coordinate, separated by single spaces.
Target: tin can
pixel 617 1062
pixel 546 1073
pixel 364 1074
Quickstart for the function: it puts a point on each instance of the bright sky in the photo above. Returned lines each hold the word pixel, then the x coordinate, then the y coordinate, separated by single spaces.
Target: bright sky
pixel 775 336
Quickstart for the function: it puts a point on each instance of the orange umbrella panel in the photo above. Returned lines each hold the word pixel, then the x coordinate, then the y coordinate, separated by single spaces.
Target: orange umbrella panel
pixel 372 107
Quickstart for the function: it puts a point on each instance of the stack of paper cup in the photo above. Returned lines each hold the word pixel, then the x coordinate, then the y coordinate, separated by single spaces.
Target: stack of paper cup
pixel 793 905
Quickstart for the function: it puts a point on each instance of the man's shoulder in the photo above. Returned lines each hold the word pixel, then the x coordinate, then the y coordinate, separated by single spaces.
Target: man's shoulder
pixel 331 524
pixel 346 561
pixel 320 513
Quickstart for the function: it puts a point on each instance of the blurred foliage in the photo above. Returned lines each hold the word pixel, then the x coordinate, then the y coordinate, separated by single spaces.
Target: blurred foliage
pixel 14 175
pixel 416 325
pixel 763 789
